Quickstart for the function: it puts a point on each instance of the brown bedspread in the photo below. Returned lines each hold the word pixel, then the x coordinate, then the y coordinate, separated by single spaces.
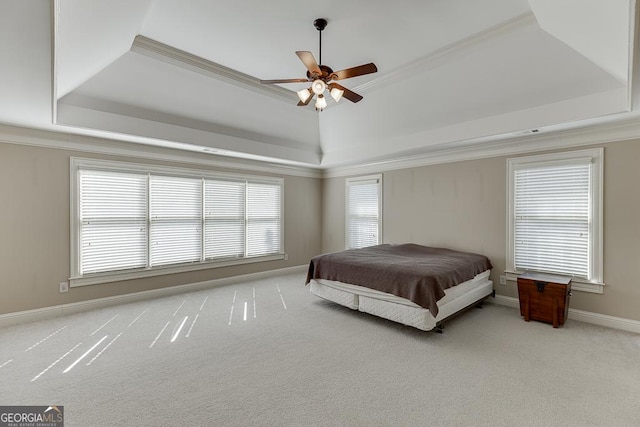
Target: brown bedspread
pixel 417 273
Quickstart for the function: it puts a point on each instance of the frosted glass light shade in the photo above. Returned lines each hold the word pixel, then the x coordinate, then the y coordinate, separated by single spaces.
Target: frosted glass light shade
pixel 304 94
pixel 336 94
pixel 321 103
pixel 318 86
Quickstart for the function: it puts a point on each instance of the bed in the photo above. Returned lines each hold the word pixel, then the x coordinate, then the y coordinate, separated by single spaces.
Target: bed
pixel 415 285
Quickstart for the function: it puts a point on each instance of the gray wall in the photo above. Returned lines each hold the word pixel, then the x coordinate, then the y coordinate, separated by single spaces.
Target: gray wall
pixel 34 231
pixel 458 205
pixel 463 206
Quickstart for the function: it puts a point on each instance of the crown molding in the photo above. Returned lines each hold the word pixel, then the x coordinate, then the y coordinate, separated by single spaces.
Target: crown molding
pixel 452 50
pixel 633 79
pixel 446 153
pixel 170 55
pixel 97 145
pixel 170 130
pixel 505 145
pixel 55 11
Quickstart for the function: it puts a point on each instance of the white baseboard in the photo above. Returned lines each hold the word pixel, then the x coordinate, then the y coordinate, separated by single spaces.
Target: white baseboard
pixel 621 323
pixel 507 301
pixel 76 307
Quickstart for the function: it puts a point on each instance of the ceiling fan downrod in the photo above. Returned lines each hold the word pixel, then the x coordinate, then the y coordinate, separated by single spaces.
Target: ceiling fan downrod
pixel 320 25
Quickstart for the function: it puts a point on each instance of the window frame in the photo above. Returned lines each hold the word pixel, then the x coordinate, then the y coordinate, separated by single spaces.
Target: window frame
pixel 350 181
pixel 594 283
pixel 76 164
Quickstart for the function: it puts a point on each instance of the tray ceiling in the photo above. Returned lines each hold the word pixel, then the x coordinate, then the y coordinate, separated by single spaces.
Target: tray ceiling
pixel 457 72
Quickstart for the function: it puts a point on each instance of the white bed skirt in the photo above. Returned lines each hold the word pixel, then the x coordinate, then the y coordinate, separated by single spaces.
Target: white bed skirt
pixel 399 309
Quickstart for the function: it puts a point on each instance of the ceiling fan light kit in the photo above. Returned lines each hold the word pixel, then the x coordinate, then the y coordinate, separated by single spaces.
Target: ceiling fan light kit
pixel 321 103
pixel 336 94
pixel 318 86
pixel 322 77
pixel 304 94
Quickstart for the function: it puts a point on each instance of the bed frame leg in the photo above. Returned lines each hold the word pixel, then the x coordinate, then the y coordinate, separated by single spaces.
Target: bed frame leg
pixel 438 329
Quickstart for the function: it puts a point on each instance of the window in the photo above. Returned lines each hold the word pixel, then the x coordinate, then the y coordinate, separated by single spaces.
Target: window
pixel 134 220
pixel 263 218
pixel 555 216
pixel 113 216
pixel 224 219
pixel 364 211
pixel 175 211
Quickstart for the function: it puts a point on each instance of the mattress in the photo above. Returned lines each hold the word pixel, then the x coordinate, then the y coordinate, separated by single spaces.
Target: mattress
pixel 401 310
pixel 415 272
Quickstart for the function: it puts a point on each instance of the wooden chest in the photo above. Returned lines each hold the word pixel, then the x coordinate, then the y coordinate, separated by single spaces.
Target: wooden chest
pixel 544 297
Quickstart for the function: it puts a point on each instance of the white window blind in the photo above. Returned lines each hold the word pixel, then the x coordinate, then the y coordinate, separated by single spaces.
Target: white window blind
pixel 263 218
pixel 552 218
pixel 133 219
pixel 224 219
pixel 113 221
pixel 175 214
pixel 363 212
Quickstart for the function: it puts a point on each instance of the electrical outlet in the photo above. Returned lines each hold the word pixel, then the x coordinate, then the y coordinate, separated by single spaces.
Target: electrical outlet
pixel 286 257
pixel 503 280
pixel 64 287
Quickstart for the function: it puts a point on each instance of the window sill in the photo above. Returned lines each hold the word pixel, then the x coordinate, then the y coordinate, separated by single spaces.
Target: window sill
pixel 98 278
pixel 580 285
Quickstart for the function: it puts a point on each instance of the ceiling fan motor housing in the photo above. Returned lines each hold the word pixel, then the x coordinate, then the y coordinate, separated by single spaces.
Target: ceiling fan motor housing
pixel 325 76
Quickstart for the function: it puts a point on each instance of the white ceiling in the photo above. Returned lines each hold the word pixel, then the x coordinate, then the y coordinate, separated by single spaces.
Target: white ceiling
pixel 463 72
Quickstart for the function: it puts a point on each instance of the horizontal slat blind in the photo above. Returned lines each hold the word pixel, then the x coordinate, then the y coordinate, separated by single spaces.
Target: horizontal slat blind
pixel 129 219
pixel 113 212
pixel 552 221
pixel 362 214
pixel 264 225
pixel 224 219
pixel 175 214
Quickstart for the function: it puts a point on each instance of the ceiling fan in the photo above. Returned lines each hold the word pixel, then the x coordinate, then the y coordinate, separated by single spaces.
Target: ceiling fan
pixel 322 77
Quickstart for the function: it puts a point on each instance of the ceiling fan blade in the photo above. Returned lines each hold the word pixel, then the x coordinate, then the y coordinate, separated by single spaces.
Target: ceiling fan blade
pixel 360 70
pixel 270 82
pixel 349 94
pixel 309 61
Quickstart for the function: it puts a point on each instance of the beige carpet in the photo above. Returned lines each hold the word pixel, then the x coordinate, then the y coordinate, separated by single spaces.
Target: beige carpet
pixel 290 359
